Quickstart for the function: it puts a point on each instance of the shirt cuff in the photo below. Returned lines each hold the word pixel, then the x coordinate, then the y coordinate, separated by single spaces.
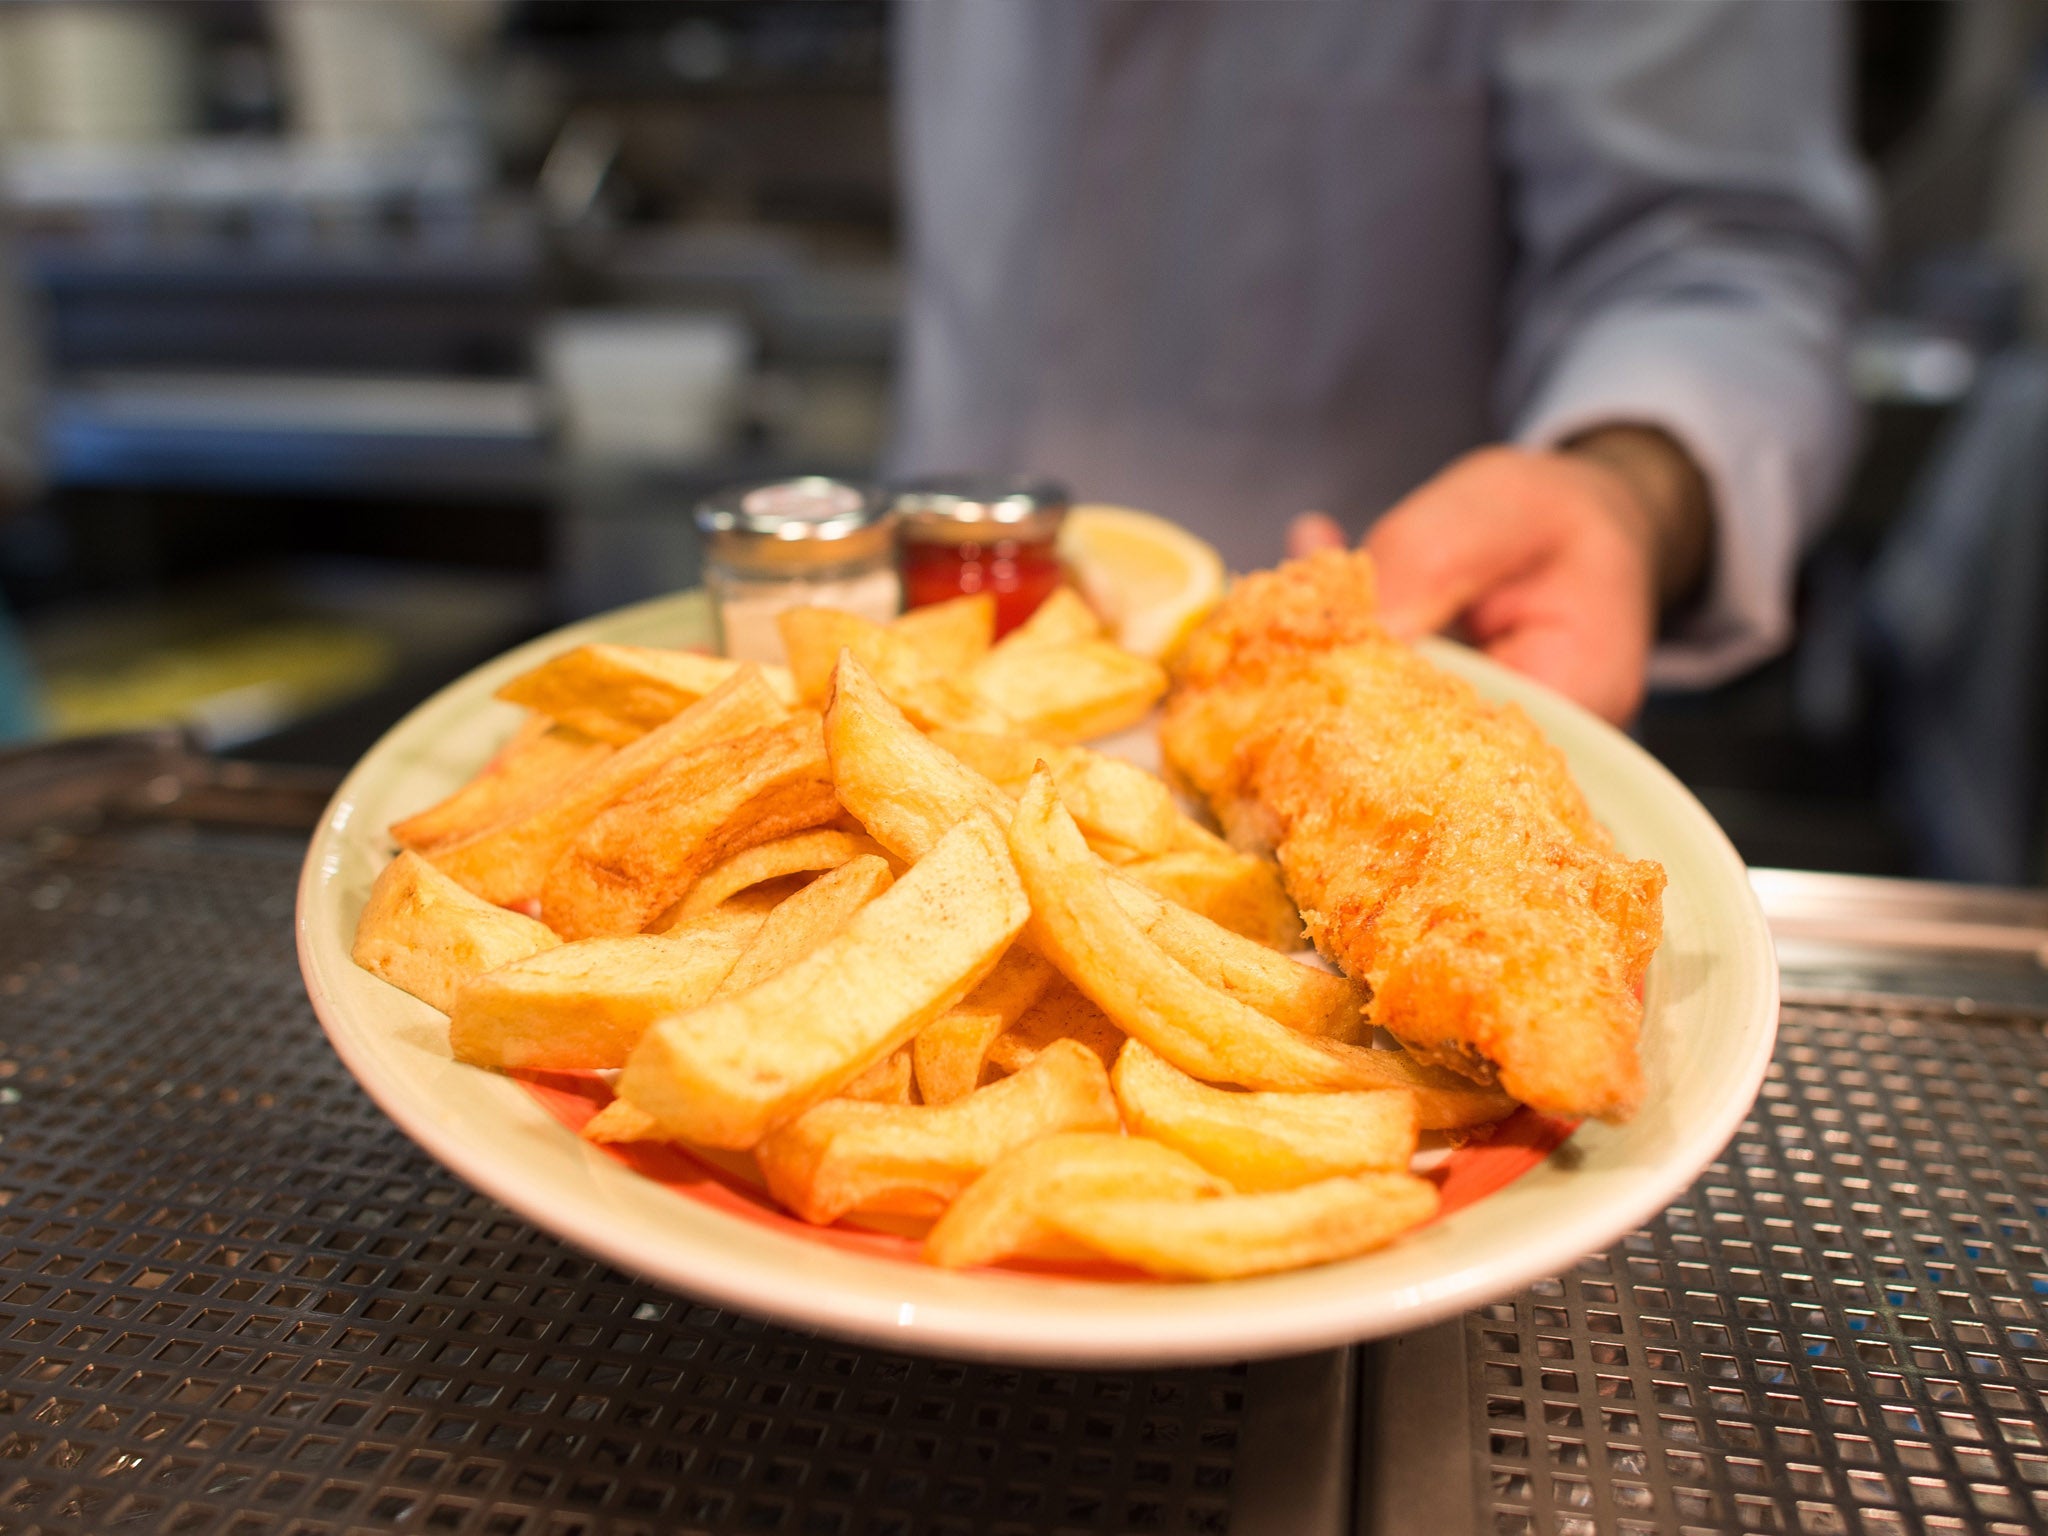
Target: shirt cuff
pixel 1760 409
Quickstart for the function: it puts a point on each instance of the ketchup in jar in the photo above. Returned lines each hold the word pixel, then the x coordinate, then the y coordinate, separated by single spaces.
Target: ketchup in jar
pixel 959 535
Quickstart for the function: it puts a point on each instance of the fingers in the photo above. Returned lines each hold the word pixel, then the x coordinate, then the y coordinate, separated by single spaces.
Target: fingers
pixel 1606 679
pixel 1454 539
pixel 1311 533
pixel 1580 623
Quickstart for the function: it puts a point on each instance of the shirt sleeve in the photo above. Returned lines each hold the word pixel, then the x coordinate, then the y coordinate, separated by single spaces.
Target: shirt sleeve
pixel 1690 225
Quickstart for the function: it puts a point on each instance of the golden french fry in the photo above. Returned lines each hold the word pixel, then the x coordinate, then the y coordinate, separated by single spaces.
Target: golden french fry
pixel 814 637
pixel 743 909
pixel 948 1052
pixel 1110 800
pixel 1306 1000
pixel 1227 1236
pixel 891 1080
pixel 617 693
pixel 585 1005
pixel 1264 1140
pixel 621 1121
pixel 1006 1213
pixel 1061 619
pixel 1079 925
pixel 508 863
pixel 426 935
pixel 888 1081
pixel 728 1073
pixel 1004 758
pixel 1444 1100
pixel 906 791
pixel 1070 692
pixel 540 758
pixel 1063 1013
pixel 1112 852
pixel 844 1156
pixel 948 637
pixel 640 854
pixel 822 849
pixel 806 920
pixel 1240 891
pixel 1018 980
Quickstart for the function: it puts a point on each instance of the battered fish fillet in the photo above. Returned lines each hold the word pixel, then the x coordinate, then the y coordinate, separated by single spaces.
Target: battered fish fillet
pixel 1435 842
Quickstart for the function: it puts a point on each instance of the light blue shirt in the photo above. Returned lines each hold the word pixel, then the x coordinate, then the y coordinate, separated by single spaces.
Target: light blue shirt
pixel 1232 261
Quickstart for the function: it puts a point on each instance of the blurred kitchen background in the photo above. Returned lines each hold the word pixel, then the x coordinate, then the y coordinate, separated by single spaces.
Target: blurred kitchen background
pixel 375 337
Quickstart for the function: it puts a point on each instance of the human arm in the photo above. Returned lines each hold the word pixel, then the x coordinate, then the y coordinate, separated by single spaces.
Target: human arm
pixel 1688 223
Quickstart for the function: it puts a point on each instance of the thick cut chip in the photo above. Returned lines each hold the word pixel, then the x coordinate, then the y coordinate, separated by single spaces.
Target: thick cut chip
pixel 1061 619
pixel 622 1121
pixel 638 857
pixel 1233 1235
pixel 583 1006
pixel 949 1052
pixel 617 693
pixel 948 637
pixel 806 920
pixel 1079 925
pixel 508 863
pixel 1110 800
pixel 1120 802
pixel 806 852
pixel 1063 1013
pixel 892 1080
pixel 1007 1212
pixel 1004 758
pixel 728 1073
pixel 912 1160
pixel 1070 692
pixel 1265 1140
pixel 888 1081
pixel 745 910
pixel 1018 980
pixel 540 758
pixel 1306 1000
pixel 1239 891
pixel 426 935
pixel 814 637
pixel 905 790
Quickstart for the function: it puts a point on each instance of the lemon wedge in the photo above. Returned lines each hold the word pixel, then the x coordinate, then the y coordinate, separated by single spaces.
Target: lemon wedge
pixel 1151 580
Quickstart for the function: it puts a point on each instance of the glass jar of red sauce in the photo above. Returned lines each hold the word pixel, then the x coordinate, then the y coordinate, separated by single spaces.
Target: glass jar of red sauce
pixel 958 535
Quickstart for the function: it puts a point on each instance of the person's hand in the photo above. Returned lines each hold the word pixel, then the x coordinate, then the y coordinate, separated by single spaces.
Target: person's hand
pixel 1553 563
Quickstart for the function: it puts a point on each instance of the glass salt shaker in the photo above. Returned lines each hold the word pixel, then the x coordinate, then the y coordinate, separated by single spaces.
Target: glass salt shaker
pixel 807 542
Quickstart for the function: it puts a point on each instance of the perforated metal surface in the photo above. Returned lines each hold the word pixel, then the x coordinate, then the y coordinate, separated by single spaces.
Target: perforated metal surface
pixel 1839 1330
pixel 234 1298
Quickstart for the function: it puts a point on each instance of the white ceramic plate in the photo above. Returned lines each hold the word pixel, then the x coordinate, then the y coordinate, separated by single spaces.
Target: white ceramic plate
pixel 1710 1016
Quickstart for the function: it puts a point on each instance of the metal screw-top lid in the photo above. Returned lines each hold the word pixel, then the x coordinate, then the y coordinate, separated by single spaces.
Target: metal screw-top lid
pixel 975 509
pixel 802 524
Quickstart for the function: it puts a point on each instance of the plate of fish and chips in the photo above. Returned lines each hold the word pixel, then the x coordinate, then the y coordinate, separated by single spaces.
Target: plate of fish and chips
pixel 895 994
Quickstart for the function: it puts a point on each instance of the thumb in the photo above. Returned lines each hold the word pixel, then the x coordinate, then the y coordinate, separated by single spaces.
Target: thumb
pixel 1313 532
pixel 1440 550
